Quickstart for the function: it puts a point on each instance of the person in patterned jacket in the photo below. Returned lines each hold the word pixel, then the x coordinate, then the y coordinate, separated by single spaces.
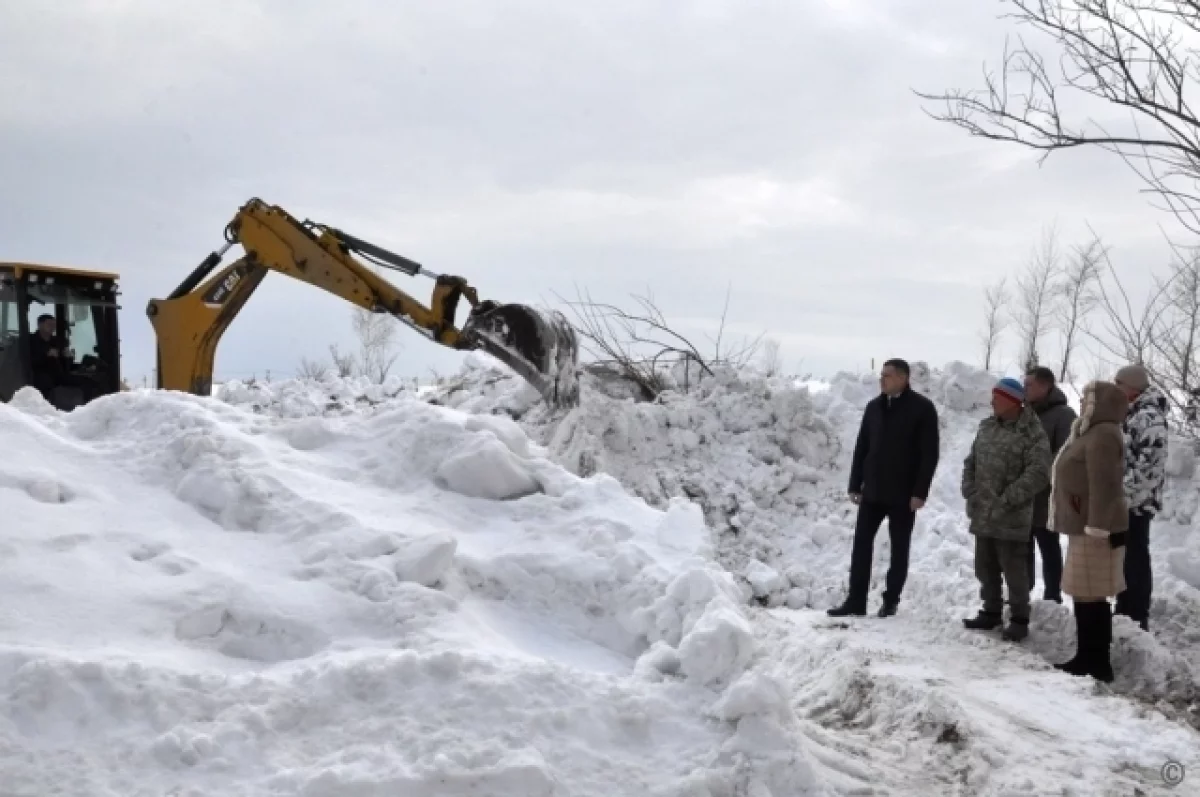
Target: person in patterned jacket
pixel 1145 432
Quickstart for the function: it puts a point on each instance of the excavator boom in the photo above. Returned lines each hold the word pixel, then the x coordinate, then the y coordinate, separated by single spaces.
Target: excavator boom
pixel 189 323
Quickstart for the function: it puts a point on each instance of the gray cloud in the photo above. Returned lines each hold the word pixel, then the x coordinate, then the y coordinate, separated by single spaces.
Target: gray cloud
pixel 535 146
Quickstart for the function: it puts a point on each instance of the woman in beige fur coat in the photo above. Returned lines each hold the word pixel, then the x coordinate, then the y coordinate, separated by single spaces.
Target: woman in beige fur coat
pixel 1088 505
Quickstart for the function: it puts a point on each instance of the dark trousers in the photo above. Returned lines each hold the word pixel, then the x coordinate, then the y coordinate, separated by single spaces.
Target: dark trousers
pixel 1052 563
pixel 998 562
pixel 900 527
pixel 1134 602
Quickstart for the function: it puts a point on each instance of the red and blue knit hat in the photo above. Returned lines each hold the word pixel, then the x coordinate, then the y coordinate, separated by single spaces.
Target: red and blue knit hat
pixel 1010 389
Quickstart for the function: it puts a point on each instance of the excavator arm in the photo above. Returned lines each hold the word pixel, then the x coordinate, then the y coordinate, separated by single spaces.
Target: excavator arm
pixel 189 323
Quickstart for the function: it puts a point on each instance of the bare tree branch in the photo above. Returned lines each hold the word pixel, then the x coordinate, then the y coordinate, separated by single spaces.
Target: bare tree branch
pixel 1127 54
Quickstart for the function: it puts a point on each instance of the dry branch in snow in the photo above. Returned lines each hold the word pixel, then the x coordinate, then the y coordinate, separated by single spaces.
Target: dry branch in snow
pixel 641 345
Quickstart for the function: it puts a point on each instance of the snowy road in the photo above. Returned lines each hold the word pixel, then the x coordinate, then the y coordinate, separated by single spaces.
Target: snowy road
pixel 963 714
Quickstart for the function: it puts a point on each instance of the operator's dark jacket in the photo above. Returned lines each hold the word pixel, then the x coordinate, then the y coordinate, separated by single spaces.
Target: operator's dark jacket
pixel 897 449
pixel 40 360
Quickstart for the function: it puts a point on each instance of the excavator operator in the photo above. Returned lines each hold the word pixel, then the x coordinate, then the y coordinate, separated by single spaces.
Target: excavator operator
pixel 50 358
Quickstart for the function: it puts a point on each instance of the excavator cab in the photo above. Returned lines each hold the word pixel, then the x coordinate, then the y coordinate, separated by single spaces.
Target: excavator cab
pixel 83 305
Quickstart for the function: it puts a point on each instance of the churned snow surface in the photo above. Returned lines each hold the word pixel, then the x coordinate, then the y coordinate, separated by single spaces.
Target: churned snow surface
pixel 200 598
pixel 342 589
pixel 913 704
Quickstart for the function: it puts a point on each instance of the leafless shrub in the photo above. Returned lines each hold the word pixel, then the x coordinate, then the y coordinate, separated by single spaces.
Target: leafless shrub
pixel 376 333
pixel 312 370
pixel 770 357
pixel 343 364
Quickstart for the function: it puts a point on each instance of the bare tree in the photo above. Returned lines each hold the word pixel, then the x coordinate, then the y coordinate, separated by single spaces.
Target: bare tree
pixel 312 369
pixel 376 333
pixel 641 345
pixel 1127 330
pixel 1129 54
pixel 1174 362
pixel 344 364
pixel 771 357
pixel 995 320
pixel 1035 299
pixel 1163 334
pixel 1077 295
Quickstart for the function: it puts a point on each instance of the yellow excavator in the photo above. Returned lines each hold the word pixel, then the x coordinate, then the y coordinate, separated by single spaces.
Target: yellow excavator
pixel 541 347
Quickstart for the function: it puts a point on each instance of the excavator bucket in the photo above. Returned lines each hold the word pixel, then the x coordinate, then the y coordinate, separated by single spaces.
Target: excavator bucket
pixel 540 346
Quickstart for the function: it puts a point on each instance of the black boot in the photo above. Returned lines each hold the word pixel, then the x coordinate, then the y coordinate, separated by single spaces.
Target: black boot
pixel 888 608
pixel 1100 662
pixel 1078 665
pixel 983 621
pixel 848 608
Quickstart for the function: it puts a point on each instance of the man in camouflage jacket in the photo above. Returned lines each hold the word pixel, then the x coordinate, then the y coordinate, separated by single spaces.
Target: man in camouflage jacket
pixel 1145 431
pixel 1008 465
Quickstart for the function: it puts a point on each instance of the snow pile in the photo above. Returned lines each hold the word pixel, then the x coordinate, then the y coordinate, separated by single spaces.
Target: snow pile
pixel 262 595
pixel 768 463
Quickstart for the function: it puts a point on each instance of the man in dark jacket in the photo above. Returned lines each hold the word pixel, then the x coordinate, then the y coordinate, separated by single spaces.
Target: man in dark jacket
pixel 48 356
pixel 894 461
pixel 1048 401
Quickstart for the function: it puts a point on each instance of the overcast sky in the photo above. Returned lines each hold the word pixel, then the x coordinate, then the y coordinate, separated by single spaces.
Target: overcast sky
pixel 537 146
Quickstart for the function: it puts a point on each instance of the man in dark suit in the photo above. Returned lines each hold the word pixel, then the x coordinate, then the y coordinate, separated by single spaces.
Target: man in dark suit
pixel 894 461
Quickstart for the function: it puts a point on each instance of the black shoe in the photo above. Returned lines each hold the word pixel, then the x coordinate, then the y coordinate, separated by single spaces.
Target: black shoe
pixel 848 609
pixel 1016 630
pixel 1048 596
pixel 888 608
pixel 984 621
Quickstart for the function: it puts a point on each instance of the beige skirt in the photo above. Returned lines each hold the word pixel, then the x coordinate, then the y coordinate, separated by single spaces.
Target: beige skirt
pixel 1092 568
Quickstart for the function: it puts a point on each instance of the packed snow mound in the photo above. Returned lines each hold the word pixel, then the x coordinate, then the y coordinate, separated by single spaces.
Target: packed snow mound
pixel 768 460
pixel 206 595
